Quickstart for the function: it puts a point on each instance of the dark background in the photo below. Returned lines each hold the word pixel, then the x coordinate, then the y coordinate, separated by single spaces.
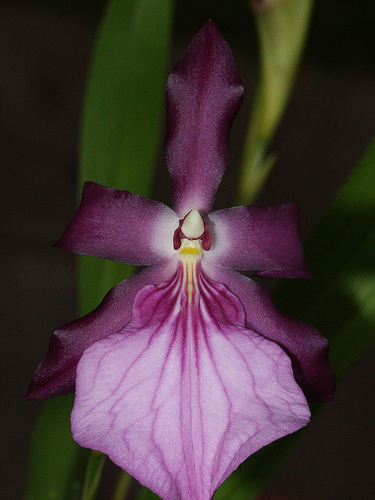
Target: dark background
pixel 45 49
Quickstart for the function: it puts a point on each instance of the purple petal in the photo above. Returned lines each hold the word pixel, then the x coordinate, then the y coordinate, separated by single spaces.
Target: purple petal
pixel 180 401
pixel 120 226
pixel 55 375
pixel 262 239
pixel 306 345
pixel 204 93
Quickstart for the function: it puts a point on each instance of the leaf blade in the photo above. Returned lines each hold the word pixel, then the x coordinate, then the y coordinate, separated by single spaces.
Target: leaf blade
pixel 122 116
pixel 148 24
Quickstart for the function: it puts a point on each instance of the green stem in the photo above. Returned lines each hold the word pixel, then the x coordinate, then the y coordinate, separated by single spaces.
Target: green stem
pixel 123 486
pixel 282 31
pixel 94 471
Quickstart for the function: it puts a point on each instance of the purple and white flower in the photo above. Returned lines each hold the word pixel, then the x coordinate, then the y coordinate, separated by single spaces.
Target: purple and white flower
pixel 187 368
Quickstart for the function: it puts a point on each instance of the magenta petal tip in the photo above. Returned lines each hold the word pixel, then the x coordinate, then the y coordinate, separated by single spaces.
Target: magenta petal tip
pixel 204 93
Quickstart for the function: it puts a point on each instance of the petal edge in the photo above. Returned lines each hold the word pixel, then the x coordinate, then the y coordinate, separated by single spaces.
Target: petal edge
pixel 261 239
pixel 55 376
pixel 120 226
pixel 306 346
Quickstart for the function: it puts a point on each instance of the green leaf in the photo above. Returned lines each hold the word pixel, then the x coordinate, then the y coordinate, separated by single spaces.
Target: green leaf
pixel 56 463
pixel 120 133
pixel 146 494
pixel 123 115
pixel 125 97
pixel 340 253
pixel 340 302
pixel 123 485
pixel 94 470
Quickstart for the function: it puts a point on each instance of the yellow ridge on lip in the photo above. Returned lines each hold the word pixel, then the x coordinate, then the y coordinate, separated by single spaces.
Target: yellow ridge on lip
pixel 190 250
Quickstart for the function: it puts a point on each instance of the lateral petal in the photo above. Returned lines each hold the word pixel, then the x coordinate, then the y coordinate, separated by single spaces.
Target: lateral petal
pixel 204 93
pixel 120 226
pixel 261 239
pixel 55 376
pixel 185 392
pixel 304 343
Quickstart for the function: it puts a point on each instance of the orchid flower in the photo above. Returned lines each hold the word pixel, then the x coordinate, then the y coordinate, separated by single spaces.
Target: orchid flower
pixel 187 368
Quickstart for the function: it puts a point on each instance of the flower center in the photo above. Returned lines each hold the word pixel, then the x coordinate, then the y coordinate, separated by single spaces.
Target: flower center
pixel 190 239
pixel 192 235
pixel 193 225
pixel 192 228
